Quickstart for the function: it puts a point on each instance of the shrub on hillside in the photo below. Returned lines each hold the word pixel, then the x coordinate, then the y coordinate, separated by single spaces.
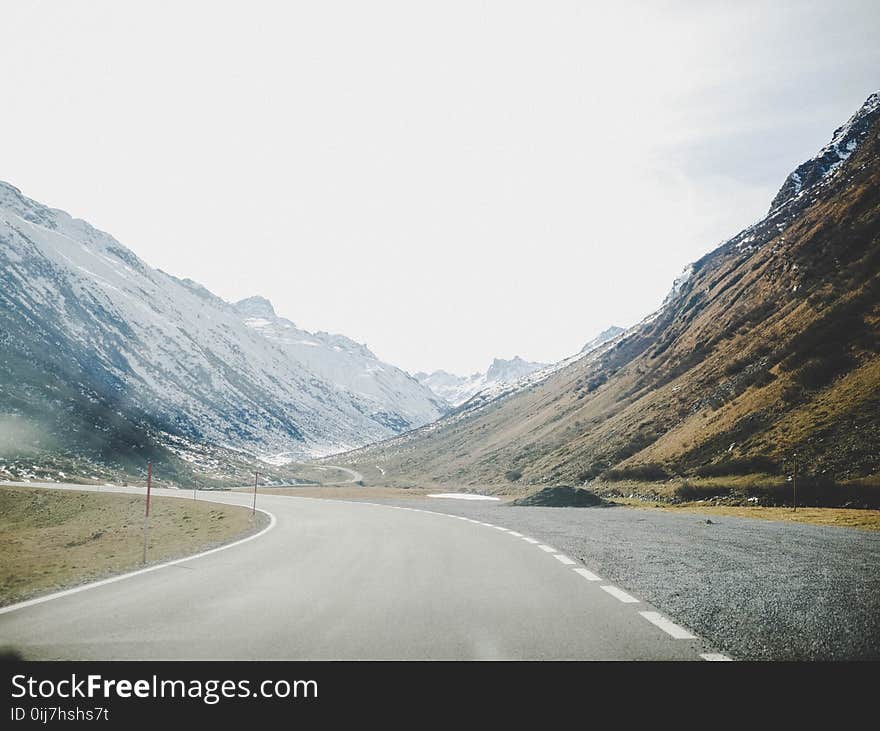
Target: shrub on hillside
pixel 741 466
pixel 591 472
pixel 687 492
pixel 735 366
pixel 818 491
pixel 819 372
pixel 649 472
pixel 823 350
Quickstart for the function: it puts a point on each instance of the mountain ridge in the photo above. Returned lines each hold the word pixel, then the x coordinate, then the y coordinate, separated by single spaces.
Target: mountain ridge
pixel 456 390
pixel 764 350
pixel 114 361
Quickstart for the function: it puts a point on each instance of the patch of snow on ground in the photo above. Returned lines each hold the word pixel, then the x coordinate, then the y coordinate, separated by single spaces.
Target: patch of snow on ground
pixel 463 496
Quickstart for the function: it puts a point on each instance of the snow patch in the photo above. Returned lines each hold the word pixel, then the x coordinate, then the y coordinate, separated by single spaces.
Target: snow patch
pixel 463 496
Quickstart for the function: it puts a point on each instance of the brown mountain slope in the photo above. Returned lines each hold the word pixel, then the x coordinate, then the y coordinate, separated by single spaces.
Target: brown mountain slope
pixel 767 351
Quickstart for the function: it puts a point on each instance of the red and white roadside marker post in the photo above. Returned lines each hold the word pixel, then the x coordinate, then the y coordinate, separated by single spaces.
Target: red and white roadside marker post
pixel 147 510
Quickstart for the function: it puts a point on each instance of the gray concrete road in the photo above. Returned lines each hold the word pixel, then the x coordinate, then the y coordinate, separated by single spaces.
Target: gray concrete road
pixel 756 589
pixel 349 580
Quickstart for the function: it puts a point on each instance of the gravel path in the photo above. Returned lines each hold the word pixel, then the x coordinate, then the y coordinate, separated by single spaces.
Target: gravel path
pixel 757 589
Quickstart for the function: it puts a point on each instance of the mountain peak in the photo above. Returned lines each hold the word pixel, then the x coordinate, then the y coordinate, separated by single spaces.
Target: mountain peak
pixel 499 362
pixel 455 390
pixel 255 306
pixel 602 338
pixel 843 143
pixel 510 370
pixel 9 188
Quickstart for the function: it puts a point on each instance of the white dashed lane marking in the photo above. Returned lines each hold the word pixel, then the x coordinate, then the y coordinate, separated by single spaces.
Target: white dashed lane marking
pixel 668 626
pixel 620 594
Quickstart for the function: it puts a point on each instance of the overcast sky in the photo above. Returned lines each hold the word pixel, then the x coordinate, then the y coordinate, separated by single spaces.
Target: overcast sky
pixel 445 181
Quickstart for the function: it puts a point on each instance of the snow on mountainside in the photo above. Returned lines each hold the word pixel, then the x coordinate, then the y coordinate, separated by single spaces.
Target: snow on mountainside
pixel 455 390
pixel 502 389
pixel 391 396
pixel 504 377
pixel 87 327
pixel 602 338
pixel 817 169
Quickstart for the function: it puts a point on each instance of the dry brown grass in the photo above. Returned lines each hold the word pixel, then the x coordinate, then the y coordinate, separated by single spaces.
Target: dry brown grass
pixel 55 539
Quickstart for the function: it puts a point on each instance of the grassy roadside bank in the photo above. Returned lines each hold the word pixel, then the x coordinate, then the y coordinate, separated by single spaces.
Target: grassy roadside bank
pixel 746 490
pixel 57 539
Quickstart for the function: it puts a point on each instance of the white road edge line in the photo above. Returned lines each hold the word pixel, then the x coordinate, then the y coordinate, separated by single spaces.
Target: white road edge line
pixel 562 558
pixel 515 534
pixel 588 575
pixel 620 594
pixel 549 549
pixel 715 657
pixel 530 540
pixel 668 626
pixel 131 574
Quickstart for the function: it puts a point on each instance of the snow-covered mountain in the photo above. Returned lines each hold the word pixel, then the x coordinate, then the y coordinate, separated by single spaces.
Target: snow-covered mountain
pixel 101 352
pixel 503 376
pixel 822 165
pixel 455 390
pixel 392 397
pixel 602 338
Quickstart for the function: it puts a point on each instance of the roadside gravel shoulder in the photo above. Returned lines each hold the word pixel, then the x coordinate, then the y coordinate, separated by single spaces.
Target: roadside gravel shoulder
pixel 757 589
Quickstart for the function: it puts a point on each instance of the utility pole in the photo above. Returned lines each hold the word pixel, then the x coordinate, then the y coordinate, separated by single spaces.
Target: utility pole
pixel 147 510
pixel 794 483
pixel 256 477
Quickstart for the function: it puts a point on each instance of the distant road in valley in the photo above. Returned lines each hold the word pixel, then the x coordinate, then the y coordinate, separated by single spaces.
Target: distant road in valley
pixel 355 475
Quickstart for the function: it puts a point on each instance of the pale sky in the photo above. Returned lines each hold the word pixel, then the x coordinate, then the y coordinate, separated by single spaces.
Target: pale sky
pixel 445 181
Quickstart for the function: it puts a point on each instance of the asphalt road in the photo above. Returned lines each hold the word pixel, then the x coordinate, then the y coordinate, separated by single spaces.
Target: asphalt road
pixel 352 580
pixel 756 589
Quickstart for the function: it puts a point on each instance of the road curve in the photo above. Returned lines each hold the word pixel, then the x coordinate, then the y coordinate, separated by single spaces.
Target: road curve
pixel 355 475
pixel 340 580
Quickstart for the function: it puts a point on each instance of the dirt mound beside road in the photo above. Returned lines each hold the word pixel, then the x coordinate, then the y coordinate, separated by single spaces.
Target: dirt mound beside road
pixel 562 496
